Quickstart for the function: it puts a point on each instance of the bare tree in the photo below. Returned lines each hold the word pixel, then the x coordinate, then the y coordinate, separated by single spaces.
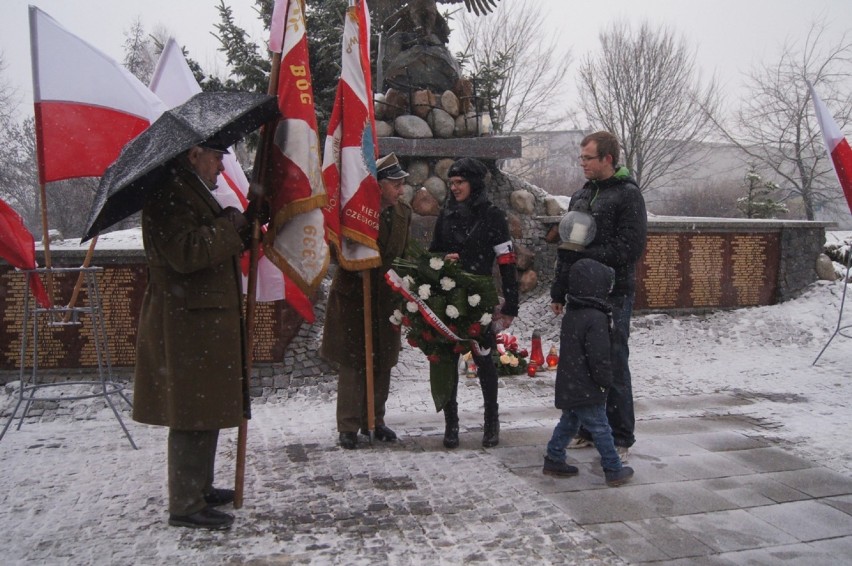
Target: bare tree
pixel 7 93
pixel 776 125
pixel 18 176
pixel 644 87
pixel 522 71
pixel 18 180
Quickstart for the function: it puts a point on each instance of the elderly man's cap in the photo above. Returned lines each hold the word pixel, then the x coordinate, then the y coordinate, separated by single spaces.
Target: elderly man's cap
pixel 388 168
pixel 214 145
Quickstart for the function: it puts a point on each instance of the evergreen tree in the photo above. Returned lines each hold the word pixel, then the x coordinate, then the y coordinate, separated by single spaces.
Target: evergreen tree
pixel 140 52
pixel 758 202
pixel 250 65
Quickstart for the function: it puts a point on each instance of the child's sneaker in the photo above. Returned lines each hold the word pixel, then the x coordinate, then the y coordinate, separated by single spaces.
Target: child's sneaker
pixel 615 478
pixel 580 442
pixel 561 469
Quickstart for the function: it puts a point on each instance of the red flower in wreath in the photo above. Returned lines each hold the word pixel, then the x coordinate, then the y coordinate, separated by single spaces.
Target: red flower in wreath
pixel 474 329
pixel 413 343
pixel 433 358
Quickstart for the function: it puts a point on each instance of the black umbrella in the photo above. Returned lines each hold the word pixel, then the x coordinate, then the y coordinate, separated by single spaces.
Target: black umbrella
pixel 221 117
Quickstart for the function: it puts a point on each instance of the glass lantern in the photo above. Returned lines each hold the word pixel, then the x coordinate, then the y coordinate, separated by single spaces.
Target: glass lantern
pixel 576 230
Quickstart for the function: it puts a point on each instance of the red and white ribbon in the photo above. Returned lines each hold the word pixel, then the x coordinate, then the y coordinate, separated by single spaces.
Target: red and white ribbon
pixel 395 281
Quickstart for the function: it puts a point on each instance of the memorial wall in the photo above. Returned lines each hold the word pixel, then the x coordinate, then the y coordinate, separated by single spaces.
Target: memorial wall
pixel 689 265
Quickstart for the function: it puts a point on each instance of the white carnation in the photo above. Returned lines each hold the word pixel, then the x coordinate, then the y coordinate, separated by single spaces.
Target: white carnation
pixel 396 317
pixel 474 300
pixel 485 320
pixel 425 291
pixel 452 312
pixel 411 306
pixel 408 282
pixel 436 263
pixel 447 284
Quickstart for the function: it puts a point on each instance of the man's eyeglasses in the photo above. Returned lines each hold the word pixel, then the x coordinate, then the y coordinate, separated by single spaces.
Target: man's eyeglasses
pixel 587 158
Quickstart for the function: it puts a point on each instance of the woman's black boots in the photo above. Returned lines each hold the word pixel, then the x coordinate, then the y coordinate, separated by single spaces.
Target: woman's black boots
pixel 451 417
pixel 491 432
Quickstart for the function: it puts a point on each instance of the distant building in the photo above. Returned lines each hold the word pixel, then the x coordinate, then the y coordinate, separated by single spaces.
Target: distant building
pixel 709 187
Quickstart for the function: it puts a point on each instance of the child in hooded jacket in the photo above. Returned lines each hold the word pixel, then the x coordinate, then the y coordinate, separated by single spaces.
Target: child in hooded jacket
pixel 584 373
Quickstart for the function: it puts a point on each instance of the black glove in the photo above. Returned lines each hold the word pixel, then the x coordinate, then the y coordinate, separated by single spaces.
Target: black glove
pixel 259 212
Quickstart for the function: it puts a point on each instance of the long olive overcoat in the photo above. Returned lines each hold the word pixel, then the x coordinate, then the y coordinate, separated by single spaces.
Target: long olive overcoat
pixel 343 335
pixel 190 354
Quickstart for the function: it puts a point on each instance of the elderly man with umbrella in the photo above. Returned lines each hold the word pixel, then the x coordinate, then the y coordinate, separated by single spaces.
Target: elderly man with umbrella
pixel 191 355
pixel 190 349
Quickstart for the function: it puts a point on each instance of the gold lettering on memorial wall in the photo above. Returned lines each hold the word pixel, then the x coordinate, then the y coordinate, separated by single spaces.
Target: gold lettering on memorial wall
pixel 119 322
pixel 748 260
pixel 706 261
pixel 662 279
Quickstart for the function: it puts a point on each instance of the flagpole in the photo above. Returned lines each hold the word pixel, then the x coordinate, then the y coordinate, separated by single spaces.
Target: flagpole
pixel 368 307
pixel 258 174
pixel 79 284
pixel 45 239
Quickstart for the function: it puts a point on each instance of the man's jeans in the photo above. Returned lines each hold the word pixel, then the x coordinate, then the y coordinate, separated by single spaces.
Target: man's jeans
pixel 593 418
pixel 619 402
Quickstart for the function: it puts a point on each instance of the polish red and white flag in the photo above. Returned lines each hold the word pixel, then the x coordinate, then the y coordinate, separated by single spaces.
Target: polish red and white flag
pixel 18 248
pixel 87 106
pixel 174 83
pixel 295 241
pixel 836 144
pixel 349 160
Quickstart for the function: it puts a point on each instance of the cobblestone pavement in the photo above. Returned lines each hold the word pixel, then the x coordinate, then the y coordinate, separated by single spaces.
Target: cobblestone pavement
pixel 75 492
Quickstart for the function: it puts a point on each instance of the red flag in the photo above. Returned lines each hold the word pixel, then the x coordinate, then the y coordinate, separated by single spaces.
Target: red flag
pixel 87 106
pixel 349 161
pixel 174 83
pixel 18 248
pixel 295 241
pixel 836 144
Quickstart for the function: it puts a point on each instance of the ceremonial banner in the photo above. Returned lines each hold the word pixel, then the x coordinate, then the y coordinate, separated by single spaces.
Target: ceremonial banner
pixel 349 161
pixel 295 241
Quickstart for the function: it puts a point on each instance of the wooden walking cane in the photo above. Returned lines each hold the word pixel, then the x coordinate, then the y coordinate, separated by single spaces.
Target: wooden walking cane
pixel 368 351
pixel 259 174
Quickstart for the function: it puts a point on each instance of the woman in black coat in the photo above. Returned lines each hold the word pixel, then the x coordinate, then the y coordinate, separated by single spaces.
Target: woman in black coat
pixel 475 233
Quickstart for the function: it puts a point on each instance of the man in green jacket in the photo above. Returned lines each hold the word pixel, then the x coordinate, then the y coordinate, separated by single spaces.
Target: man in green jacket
pixel 343 337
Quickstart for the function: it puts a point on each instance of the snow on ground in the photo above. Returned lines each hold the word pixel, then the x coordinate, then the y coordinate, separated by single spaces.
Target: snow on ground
pixel 75 469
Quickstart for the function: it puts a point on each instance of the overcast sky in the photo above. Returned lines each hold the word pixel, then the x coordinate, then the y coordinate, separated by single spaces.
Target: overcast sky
pixel 730 36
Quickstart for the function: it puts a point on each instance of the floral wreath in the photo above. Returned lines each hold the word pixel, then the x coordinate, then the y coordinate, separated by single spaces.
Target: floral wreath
pixel 446 312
